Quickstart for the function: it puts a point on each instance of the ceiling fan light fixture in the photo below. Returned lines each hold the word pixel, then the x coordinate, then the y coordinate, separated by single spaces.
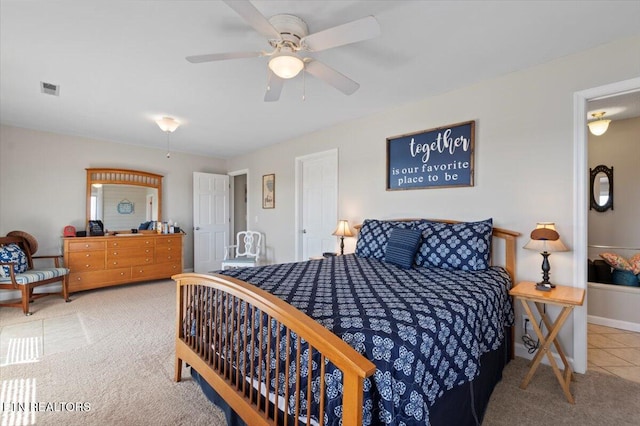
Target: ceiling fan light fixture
pixel 599 125
pixel 286 65
pixel 167 124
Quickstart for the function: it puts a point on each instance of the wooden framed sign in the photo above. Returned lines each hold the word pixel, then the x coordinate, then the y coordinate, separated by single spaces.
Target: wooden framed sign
pixel 434 158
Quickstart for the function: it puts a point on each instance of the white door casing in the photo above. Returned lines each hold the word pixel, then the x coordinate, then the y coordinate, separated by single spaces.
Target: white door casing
pixel 580 206
pixel 210 220
pixel 316 203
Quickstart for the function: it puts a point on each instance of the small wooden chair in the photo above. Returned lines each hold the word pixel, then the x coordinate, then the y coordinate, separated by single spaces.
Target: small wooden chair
pixel 245 252
pixel 31 278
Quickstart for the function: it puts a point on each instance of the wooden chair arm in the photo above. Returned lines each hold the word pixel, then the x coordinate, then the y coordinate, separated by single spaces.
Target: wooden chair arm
pixel 12 274
pixel 56 258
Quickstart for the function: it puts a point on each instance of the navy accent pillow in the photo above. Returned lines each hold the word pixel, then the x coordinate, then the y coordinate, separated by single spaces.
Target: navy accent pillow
pixel 373 237
pixel 12 253
pixel 402 246
pixel 465 246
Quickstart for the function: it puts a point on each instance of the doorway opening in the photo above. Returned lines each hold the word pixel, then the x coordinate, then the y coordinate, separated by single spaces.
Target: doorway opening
pixel 239 182
pixel 580 203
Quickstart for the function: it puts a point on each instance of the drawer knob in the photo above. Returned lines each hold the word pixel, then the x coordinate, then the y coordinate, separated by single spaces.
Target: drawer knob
pixel 87 265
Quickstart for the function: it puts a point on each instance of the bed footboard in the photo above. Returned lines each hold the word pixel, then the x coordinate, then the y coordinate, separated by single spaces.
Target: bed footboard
pixel 270 362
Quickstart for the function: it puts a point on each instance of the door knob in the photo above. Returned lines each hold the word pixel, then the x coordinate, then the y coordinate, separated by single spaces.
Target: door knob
pixel 304 231
pixel 197 228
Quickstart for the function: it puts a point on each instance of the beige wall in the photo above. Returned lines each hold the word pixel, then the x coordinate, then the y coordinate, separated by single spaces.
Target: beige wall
pixel 523 164
pixel 42 182
pixel 619 147
pixel 524 158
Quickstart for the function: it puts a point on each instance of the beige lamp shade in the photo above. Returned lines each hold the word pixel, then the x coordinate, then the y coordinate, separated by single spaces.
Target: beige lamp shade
pixel 343 229
pixel 545 238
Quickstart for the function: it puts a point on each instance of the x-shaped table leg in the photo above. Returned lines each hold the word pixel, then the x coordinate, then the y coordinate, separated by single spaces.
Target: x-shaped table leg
pixel 545 342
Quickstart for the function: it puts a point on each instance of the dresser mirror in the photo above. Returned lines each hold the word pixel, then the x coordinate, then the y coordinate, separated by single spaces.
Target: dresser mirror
pixel 123 199
pixel 601 188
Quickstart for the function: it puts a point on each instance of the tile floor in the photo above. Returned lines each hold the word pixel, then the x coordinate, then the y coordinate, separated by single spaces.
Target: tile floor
pixel 613 351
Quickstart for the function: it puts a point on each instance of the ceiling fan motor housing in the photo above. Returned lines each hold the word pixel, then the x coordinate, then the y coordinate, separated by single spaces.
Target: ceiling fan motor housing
pixel 291 28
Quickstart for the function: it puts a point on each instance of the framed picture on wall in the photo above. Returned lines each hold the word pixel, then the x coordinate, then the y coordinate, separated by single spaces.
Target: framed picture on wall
pixel 269 191
pixel 434 158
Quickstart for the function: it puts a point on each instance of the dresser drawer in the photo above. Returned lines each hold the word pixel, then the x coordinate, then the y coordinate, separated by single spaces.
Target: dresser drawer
pixel 170 240
pixel 118 258
pixel 168 253
pixel 132 242
pixel 86 245
pixel 85 280
pixel 164 270
pixel 85 261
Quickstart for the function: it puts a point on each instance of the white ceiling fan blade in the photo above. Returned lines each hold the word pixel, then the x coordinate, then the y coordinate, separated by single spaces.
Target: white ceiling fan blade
pixel 223 56
pixel 332 77
pixel 274 88
pixel 249 13
pixel 351 32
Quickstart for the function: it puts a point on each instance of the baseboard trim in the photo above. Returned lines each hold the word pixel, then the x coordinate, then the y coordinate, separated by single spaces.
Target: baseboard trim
pixel 614 323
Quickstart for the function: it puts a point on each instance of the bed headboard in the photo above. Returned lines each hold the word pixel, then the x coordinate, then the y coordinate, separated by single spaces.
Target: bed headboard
pixel 506 251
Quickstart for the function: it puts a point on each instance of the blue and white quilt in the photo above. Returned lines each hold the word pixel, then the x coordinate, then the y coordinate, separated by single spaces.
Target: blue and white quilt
pixel 424 328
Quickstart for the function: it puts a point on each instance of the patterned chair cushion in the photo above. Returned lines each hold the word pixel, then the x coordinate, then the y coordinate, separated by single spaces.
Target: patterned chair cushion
pixel 373 237
pixel 33 276
pixel 402 246
pixel 12 253
pixel 465 246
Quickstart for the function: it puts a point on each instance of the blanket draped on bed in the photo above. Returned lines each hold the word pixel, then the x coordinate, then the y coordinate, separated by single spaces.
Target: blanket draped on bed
pixel 425 329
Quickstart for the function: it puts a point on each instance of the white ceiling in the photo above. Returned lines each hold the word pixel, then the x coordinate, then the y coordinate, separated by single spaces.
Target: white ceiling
pixel 121 64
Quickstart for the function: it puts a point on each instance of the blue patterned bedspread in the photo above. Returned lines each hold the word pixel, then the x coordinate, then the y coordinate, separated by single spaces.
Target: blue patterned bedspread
pixel 425 329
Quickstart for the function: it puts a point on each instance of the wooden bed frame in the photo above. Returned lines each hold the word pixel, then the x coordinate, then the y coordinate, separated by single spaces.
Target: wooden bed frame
pixel 217 363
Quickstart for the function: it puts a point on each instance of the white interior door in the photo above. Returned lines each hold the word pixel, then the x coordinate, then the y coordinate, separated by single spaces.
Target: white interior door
pixel 317 177
pixel 210 220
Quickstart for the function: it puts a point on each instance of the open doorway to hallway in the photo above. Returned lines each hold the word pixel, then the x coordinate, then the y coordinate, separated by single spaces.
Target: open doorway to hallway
pixel 582 105
pixel 239 210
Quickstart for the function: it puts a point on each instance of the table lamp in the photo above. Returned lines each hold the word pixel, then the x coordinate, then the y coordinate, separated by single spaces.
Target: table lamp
pixel 342 231
pixel 545 240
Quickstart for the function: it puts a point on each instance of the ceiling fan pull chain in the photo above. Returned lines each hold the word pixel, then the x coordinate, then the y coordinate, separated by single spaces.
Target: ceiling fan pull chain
pixel 304 85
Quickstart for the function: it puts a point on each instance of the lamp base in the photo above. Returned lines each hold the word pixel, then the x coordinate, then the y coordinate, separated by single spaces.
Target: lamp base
pixel 544 287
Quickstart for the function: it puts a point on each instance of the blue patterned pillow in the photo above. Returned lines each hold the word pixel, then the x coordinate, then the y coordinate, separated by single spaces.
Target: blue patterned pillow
pixel 464 246
pixel 373 237
pixel 402 246
pixel 12 253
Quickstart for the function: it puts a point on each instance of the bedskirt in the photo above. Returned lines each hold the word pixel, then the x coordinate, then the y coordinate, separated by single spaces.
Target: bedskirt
pixel 463 405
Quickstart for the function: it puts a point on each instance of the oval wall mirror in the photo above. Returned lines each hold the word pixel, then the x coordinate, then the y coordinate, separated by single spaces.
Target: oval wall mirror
pixel 601 188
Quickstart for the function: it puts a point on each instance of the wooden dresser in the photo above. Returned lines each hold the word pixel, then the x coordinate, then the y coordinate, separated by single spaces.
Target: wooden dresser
pixel 112 260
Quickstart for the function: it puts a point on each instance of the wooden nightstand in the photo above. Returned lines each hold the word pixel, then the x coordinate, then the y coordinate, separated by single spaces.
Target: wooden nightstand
pixel 568 298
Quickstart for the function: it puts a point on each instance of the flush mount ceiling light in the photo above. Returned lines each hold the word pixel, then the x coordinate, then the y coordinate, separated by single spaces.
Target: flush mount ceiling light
pixel 167 125
pixel 599 125
pixel 286 64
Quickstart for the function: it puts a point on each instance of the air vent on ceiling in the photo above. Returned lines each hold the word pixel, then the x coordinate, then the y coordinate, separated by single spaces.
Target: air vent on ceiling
pixel 49 89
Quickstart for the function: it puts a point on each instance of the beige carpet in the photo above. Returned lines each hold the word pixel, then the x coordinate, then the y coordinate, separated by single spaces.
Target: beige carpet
pixel 118 359
pixel 111 350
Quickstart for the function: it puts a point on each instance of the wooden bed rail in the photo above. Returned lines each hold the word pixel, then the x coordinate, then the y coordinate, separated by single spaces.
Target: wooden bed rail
pixel 217 319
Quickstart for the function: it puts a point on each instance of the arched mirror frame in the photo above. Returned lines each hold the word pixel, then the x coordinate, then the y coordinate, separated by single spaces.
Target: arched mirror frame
pixel 608 171
pixel 123 177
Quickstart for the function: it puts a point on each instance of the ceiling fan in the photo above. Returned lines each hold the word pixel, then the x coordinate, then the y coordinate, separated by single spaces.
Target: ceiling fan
pixel 289 38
